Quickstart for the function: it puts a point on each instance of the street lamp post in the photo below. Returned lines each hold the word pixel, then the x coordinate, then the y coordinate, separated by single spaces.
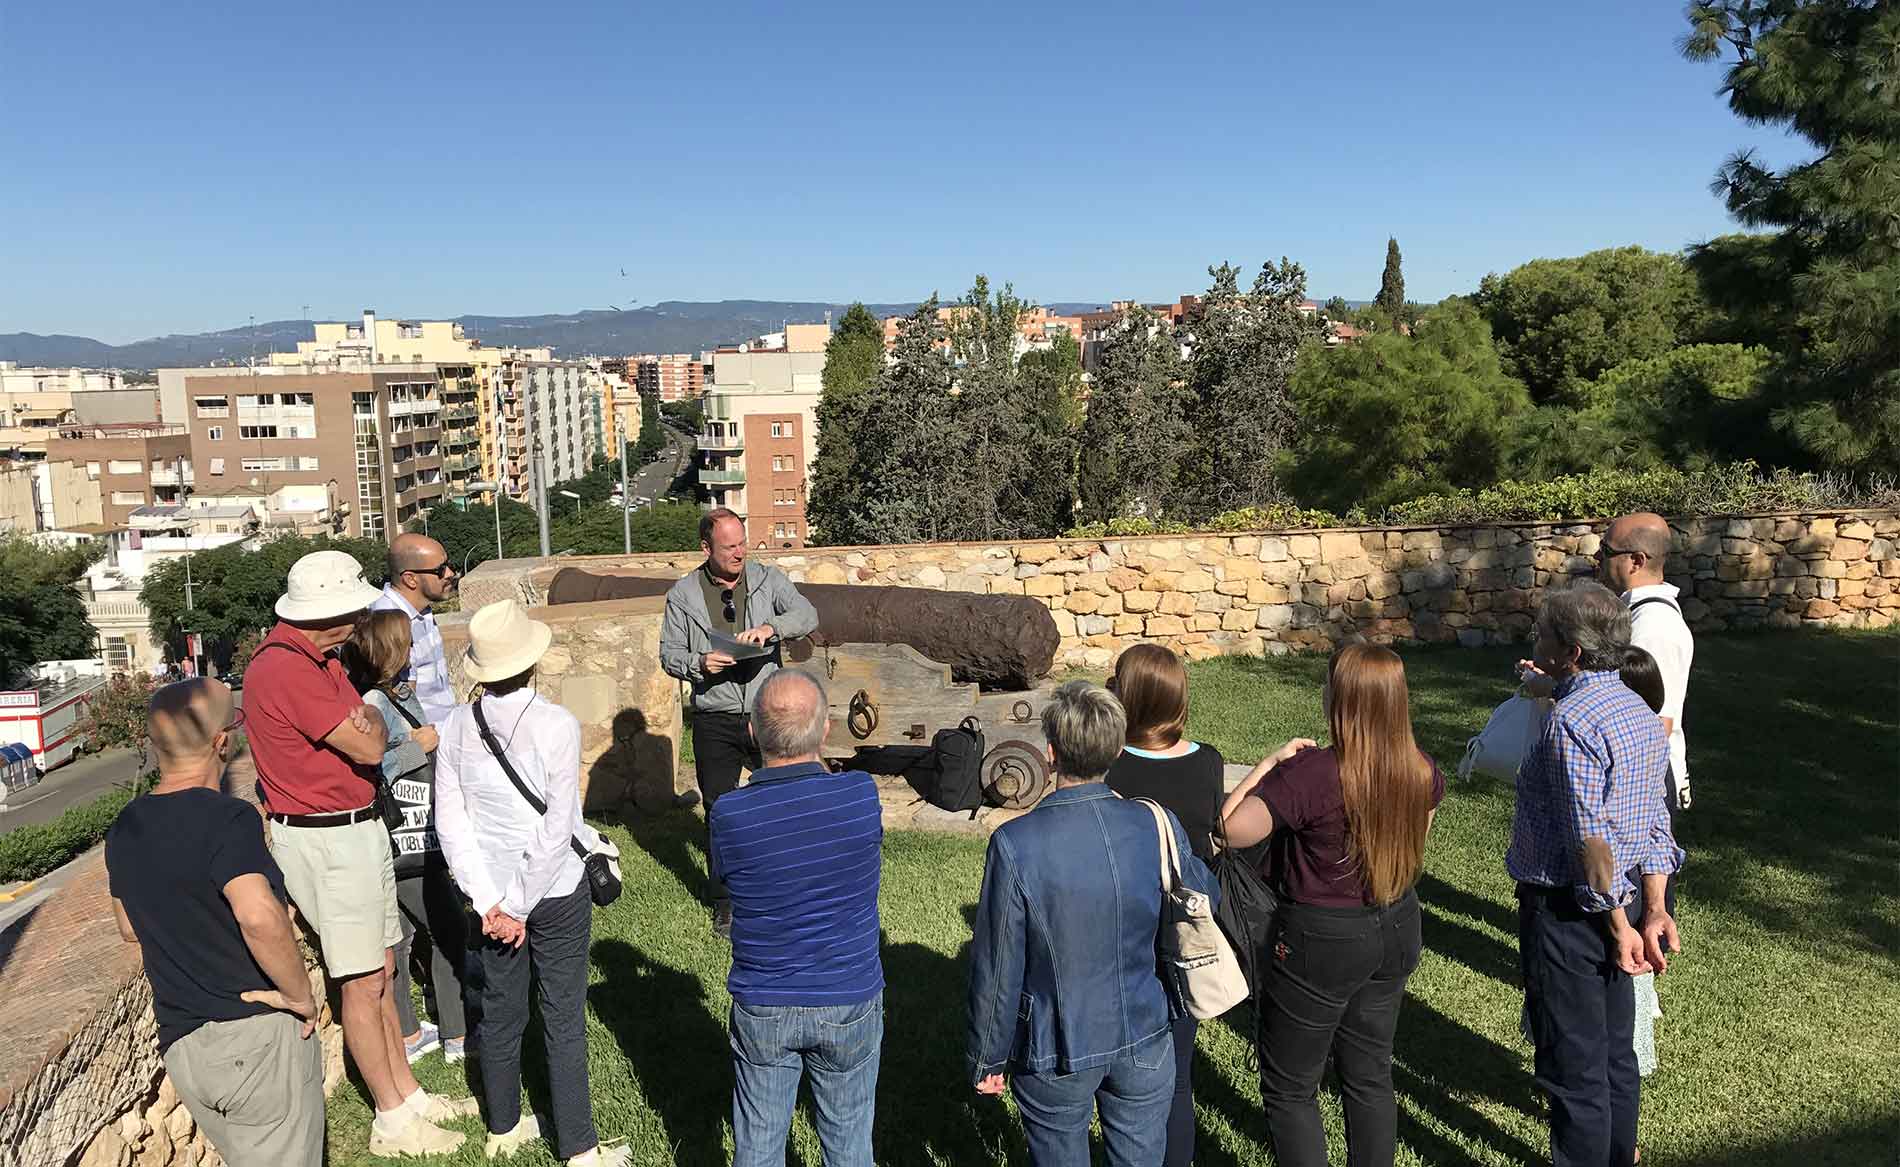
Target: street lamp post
pixel 493 488
pixel 577 501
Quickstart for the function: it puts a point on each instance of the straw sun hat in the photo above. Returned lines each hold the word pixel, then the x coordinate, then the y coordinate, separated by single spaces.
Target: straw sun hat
pixel 503 642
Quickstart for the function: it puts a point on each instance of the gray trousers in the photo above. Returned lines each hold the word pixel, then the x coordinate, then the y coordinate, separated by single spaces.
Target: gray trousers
pixel 431 905
pixel 554 961
pixel 255 1086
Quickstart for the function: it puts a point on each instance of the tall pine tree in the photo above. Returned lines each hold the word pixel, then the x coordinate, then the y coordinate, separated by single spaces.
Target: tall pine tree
pixel 1823 289
pixel 1391 297
pixel 1244 349
pixel 1136 439
pixel 853 357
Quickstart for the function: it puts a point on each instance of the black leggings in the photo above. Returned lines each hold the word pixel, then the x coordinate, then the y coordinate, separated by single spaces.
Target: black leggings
pixel 1335 985
pixel 1181 1114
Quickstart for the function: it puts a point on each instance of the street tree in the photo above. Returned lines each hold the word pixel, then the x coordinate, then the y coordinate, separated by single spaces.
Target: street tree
pixel 42 617
pixel 1391 297
pixel 853 358
pixel 1136 439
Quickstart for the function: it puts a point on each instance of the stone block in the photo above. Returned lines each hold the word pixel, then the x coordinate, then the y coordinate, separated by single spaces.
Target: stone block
pixel 592 699
pixel 1273 549
pixel 1094 625
pixel 1195 581
pixel 1830 569
pixel 1065 623
pixel 965 582
pixel 826 573
pixel 1038 553
pixel 1177 604
pixel 1237 620
pixel 1098 658
pixel 1203 622
pixel 1111 605
pixel 1064 567
pixel 1352 569
pixel 1212 602
pixel 1423 541
pixel 1003 585
pixel 1746 590
pixel 1122 580
pixel 1880 549
pixel 1247 545
pixel 1865 569
pixel 1140 601
pixel 1373 542
pixel 1083 603
pixel 1304 548
pixel 1259 591
pixel 1028 570
pixel 929 576
pixel 1182 564
pixel 1337 546
pixel 1165 626
pixel 1829 588
pixel 1127 625
pixel 1232 587
pixel 1239 568
pixel 1160 581
pixel 1848 550
pixel 1821 610
pixel 1044 585
pixel 1275 617
pixel 1099 561
pixel 1855 529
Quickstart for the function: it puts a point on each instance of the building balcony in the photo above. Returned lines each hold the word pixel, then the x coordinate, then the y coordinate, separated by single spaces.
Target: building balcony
pixel 722 479
pixel 729 442
pixel 458 413
pixel 426 433
pixel 403 468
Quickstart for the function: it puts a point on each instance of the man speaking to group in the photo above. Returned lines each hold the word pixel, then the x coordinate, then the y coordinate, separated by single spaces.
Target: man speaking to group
pixel 721 634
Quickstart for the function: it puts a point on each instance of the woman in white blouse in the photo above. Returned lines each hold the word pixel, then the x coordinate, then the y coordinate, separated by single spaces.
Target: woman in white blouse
pixel 520 870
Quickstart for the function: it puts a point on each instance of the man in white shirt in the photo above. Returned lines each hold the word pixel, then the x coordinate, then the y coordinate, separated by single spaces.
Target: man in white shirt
pixel 420 577
pixel 1631 559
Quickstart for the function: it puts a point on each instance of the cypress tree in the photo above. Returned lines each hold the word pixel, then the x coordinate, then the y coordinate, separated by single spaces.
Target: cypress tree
pixel 1391 298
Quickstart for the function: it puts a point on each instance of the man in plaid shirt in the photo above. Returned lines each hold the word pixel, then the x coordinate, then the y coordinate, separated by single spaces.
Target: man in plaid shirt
pixel 1590 817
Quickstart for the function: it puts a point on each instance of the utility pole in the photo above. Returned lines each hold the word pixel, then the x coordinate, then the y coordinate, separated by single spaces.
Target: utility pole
pixel 537 469
pixel 626 499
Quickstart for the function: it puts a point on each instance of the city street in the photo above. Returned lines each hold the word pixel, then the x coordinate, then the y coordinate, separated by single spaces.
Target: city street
pixel 652 480
pixel 74 784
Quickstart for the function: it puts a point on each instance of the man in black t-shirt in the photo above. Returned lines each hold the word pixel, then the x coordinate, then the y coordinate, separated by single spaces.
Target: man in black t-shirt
pixel 194 885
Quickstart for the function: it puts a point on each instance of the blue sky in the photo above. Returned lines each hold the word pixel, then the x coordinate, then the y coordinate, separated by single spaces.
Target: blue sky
pixel 180 167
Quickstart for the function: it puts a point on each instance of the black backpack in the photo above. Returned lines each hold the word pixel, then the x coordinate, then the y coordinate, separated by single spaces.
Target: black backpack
pixel 948 772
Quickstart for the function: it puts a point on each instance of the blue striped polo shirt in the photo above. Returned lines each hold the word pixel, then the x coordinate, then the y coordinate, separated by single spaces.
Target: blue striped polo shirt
pixel 798 848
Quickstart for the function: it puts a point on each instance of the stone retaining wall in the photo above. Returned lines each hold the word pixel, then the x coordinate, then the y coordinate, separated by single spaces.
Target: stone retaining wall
pixel 80 1078
pixel 1210 594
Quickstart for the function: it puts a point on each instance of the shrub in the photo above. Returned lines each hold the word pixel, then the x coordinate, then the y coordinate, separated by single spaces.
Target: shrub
pixel 116 713
pixel 30 852
pixel 1738 488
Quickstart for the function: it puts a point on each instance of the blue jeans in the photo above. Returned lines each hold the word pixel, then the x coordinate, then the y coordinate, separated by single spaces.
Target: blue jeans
pixel 773 1046
pixel 1134 1094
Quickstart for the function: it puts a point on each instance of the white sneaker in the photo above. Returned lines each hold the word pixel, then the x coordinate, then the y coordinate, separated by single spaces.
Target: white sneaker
pixel 526 1131
pixel 454 1050
pixel 427 1040
pixel 619 1155
pixel 417 1137
pixel 441 1109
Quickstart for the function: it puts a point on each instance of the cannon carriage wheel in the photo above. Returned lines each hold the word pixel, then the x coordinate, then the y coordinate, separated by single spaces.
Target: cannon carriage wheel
pixel 1015 775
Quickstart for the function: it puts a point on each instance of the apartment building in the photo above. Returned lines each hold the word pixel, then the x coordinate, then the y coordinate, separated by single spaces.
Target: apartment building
pixel 48 496
pixel 36 401
pixel 620 405
pixel 544 403
pixel 759 437
pixel 672 376
pixel 136 464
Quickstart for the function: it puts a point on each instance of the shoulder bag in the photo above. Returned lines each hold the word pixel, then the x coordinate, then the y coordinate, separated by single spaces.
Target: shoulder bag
pixel 1507 737
pixel 1195 956
pixel 603 872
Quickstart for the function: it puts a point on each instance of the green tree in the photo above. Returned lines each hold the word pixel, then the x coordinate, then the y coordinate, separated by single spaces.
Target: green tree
pixel 42 617
pixel 907 432
pixel 467 534
pixel 1822 289
pixel 235 588
pixel 1050 385
pixel 1391 297
pixel 854 356
pixel 597 530
pixel 1392 417
pixel 1562 323
pixel 1337 309
pixel 1136 440
pixel 652 432
pixel 1244 350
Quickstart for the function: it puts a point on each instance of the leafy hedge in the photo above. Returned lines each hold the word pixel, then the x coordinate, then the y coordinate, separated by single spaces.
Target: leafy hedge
pixel 30 852
pixel 1740 488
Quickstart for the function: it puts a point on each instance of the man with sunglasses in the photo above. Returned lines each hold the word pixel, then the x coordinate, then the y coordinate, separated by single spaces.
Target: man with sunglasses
pixel 754 604
pixel 420 577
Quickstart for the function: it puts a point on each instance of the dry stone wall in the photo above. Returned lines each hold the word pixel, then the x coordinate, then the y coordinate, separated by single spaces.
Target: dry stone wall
pixel 1270 592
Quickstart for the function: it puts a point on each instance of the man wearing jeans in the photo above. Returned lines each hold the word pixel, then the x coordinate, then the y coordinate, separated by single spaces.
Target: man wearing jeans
pixel 757 607
pixel 1589 813
pixel 798 848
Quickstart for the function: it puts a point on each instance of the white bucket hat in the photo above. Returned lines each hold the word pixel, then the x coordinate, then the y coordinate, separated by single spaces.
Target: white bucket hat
pixel 325 585
pixel 503 642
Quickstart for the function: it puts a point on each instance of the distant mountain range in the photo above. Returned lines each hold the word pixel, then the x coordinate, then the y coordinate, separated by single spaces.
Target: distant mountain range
pixel 669 327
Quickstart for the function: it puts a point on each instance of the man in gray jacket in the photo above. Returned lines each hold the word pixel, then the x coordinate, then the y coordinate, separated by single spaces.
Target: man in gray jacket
pixel 753 604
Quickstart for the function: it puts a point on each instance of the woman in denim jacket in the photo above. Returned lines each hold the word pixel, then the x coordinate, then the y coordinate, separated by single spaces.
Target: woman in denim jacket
pixel 1065 992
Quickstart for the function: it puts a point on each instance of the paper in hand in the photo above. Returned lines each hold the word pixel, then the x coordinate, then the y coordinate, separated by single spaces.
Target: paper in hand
pixel 736 649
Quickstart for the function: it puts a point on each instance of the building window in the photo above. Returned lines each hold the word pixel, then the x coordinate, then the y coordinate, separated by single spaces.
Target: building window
pixel 215 433
pixel 122 466
pixel 92 471
pixel 776 428
pixel 256 465
pixel 217 465
pixel 128 498
pixel 251 401
pixel 257 431
pixel 214 406
pixel 307 463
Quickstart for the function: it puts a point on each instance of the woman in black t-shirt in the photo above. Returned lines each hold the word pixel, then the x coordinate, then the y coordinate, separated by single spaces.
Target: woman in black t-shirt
pixel 1185 777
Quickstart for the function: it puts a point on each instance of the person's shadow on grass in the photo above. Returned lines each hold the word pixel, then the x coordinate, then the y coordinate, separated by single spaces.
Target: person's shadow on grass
pixel 674 1045
pixel 928 1110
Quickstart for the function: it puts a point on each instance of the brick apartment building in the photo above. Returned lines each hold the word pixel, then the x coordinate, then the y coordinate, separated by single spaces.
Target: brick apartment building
pixel 673 376
pixel 760 435
pixel 136 464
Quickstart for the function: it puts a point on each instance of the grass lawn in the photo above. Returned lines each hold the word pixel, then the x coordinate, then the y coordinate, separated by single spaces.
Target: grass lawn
pixel 1780 1044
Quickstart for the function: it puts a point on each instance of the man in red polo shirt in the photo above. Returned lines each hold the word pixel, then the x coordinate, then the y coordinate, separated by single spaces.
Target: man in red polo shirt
pixel 317 748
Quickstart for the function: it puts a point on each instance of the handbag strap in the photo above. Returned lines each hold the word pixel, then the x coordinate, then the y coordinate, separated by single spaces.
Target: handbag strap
pixel 1170 854
pixel 407 716
pixel 534 800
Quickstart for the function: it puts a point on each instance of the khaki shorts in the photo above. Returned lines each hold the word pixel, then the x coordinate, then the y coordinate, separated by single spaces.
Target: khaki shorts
pixel 344 883
pixel 255 1087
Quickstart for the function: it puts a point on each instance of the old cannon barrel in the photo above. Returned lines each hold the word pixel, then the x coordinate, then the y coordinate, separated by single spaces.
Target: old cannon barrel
pixel 995 641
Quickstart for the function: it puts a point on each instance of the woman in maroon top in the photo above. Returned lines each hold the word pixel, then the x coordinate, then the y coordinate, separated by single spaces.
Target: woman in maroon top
pixel 1349 825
